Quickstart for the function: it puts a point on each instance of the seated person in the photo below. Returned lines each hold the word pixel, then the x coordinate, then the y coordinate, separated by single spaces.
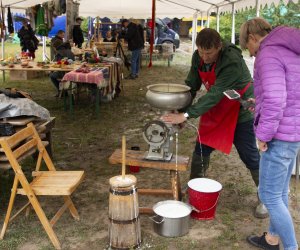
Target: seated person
pixel 63 51
pixel 109 37
pixel 56 41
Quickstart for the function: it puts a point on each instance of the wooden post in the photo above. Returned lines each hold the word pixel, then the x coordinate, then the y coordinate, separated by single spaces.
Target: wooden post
pixel 123 156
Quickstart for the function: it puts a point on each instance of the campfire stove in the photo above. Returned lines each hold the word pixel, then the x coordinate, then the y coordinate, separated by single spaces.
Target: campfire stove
pixel 160 135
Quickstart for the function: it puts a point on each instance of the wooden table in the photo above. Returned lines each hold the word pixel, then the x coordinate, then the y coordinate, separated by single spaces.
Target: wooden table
pixel 16 73
pixel 137 158
pixel 44 129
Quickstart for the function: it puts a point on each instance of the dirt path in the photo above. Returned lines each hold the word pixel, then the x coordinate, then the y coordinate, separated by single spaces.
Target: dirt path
pixel 84 142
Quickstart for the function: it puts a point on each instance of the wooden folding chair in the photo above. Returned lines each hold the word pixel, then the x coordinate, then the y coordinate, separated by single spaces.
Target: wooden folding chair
pixel 52 182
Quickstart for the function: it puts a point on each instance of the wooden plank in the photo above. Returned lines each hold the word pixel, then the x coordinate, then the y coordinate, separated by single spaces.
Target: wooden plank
pixel 19 120
pixel 149 191
pixel 137 158
pixel 146 210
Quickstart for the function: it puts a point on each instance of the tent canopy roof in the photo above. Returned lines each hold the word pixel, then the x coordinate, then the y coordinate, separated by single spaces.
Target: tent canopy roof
pixel 142 8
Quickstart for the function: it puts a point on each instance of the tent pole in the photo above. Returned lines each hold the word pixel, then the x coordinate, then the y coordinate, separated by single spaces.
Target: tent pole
pixel 194 31
pixel 2 47
pixel 208 19
pixel 257 5
pixel 202 20
pixel 233 24
pixel 218 19
pixel 44 49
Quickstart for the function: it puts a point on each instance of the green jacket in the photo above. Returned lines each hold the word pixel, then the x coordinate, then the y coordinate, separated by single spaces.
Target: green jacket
pixel 231 73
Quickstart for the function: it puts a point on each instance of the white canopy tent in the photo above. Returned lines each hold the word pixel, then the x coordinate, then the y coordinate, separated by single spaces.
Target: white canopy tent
pixel 141 9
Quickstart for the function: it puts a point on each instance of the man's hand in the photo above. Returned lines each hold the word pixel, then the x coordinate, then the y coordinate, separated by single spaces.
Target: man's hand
pixel 173 118
pixel 262 146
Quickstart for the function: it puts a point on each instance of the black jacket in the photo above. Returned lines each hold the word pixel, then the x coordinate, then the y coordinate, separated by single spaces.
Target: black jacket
pixel 134 36
pixel 28 39
pixel 77 35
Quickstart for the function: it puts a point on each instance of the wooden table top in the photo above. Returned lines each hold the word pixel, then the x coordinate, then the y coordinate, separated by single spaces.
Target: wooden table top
pixel 37 68
pixel 137 158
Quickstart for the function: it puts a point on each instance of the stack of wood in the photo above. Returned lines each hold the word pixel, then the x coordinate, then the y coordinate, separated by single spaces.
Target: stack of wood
pixel 43 127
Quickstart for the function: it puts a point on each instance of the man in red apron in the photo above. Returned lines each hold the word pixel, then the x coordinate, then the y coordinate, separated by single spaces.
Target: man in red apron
pixel 223 122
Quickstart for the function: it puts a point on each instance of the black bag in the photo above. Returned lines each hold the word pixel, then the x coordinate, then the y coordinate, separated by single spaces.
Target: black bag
pixel 6 129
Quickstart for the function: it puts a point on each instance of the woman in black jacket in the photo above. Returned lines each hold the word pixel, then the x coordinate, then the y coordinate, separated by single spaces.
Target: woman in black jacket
pixel 29 42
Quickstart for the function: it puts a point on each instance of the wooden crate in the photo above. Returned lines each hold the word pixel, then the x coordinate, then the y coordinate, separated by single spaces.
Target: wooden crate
pixel 20 75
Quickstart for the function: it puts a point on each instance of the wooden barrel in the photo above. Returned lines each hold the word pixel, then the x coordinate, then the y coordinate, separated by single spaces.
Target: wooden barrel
pixel 124 226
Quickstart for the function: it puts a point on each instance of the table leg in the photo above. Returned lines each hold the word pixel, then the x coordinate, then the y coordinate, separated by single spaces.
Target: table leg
pixel 97 101
pixel 65 99
pixel 175 181
pixel 3 75
pixel 71 99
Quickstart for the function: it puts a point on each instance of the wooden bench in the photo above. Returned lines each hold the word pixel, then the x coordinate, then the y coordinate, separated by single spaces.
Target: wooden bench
pixel 137 158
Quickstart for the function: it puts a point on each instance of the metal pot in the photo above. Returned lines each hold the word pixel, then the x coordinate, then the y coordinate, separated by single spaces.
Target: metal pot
pixel 167 96
pixel 171 218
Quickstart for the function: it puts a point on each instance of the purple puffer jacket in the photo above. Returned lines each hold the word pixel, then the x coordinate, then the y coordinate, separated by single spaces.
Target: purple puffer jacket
pixel 277 86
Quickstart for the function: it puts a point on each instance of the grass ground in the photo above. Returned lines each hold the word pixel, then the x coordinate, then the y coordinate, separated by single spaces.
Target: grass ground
pixel 84 142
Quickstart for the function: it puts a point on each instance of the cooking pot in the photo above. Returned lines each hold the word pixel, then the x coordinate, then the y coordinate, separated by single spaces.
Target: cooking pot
pixel 171 218
pixel 167 96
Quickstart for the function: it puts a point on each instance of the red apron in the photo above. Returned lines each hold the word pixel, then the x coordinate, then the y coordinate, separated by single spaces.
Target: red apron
pixel 217 125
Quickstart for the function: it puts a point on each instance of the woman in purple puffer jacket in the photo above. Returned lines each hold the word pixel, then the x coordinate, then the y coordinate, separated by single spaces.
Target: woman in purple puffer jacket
pixel 277 122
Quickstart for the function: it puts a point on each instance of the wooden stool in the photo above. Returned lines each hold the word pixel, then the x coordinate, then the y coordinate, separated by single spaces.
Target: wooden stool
pixel 137 158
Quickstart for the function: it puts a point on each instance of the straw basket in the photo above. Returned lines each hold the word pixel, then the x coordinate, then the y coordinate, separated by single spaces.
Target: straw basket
pixel 109 47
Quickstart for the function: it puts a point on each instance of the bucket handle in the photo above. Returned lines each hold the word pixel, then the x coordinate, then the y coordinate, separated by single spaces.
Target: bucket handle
pixel 153 218
pixel 200 211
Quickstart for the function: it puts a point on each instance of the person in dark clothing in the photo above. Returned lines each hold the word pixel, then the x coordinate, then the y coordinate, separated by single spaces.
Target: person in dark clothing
pixel 28 40
pixel 63 51
pixel 77 33
pixel 109 37
pixel 57 41
pixel 134 37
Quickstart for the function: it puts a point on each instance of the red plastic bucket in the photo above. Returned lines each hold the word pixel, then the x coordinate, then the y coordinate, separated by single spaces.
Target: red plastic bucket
pixel 203 195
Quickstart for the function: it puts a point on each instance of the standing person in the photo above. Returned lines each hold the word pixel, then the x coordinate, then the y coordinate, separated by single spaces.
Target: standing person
pixel 277 122
pixel 57 41
pixel 77 33
pixel 134 37
pixel 220 67
pixel 29 42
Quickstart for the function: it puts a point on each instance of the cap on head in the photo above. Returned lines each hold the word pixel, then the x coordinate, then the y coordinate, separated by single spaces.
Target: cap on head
pixel 124 21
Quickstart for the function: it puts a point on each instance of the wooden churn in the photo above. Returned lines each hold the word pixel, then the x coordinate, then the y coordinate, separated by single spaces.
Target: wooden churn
pixel 124 228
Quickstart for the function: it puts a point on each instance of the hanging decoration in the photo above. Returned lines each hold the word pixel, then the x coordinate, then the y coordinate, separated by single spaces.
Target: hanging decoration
pixel 41 27
pixel 10 25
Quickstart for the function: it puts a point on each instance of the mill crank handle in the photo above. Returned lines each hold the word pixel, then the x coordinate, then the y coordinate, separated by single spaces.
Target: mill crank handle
pixel 246 104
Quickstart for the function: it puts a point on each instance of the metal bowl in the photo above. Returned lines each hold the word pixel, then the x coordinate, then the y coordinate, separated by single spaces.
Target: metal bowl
pixel 167 96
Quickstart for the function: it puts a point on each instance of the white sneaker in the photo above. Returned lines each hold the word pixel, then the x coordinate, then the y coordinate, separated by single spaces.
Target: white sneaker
pixel 261 211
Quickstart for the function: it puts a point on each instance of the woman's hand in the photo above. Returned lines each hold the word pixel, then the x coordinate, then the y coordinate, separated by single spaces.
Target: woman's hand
pixel 262 146
pixel 251 109
pixel 173 118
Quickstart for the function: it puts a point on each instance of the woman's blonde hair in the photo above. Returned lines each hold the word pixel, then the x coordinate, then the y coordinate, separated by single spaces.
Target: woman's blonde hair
pixel 255 26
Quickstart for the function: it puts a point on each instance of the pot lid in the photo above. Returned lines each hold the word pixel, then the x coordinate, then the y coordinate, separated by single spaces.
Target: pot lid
pixel 172 209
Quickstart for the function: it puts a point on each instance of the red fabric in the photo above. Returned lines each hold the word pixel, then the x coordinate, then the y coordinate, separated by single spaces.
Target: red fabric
pixel 217 126
pixel 152 32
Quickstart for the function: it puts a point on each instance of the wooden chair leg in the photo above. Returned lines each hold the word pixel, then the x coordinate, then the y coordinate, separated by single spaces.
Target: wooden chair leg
pixel 10 206
pixel 72 208
pixel 43 219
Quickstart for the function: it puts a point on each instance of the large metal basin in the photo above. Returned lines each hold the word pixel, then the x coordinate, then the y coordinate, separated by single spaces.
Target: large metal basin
pixel 168 96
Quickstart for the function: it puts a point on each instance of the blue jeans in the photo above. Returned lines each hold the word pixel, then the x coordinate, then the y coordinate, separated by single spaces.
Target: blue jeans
pixel 135 62
pixel 276 165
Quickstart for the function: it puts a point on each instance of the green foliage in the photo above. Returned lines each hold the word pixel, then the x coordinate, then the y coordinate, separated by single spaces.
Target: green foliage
pixel 282 14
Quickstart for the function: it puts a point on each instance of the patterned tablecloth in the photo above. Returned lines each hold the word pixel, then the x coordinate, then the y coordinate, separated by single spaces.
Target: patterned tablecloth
pixel 98 76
